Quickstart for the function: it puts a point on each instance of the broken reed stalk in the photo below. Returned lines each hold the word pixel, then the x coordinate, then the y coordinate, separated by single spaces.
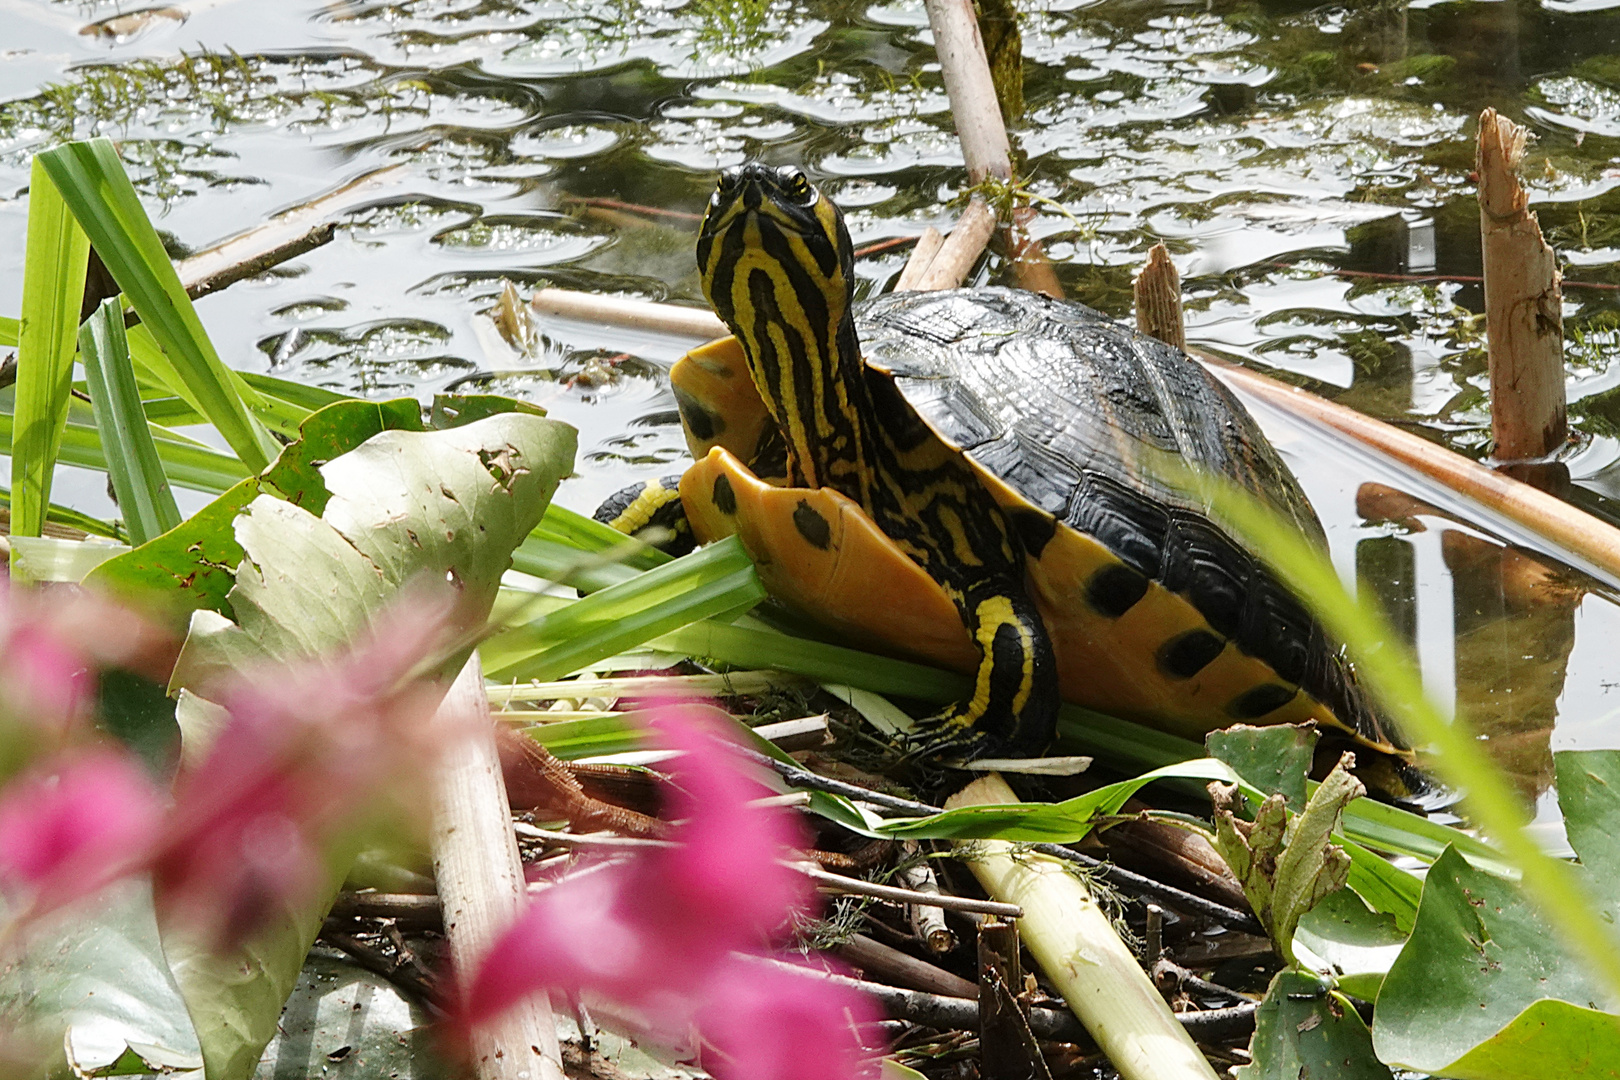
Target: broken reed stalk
pixel 928 245
pixel 1006 1045
pixel 1158 299
pixel 927 922
pixel 972 91
pixel 1076 945
pixel 1524 322
pixel 961 248
pixel 480 881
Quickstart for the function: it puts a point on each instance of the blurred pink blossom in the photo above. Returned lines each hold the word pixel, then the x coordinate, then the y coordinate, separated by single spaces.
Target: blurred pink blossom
pixel 661 932
pixel 70 825
pixel 315 754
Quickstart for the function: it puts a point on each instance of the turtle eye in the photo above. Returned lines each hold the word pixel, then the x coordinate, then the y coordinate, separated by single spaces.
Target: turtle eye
pixel 796 185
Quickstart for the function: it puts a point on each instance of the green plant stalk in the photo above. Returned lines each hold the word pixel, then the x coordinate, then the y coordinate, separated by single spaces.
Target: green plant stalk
pixel 1459 758
pixel 54 267
pixel 719 578
pixel 96 188
pixel 73 519
pixel 1074 942
pixel 126 439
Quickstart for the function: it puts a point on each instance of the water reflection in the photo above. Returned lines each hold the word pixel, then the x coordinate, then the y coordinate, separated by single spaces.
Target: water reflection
pixel 1514 623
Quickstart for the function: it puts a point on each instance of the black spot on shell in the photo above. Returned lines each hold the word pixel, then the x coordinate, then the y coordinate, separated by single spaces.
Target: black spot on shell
pixel 725 500
pixel 1185 655
pixel 812 526
pixel 1114 590
pixel 702 423
pixel 1254 703
pixel 1034 529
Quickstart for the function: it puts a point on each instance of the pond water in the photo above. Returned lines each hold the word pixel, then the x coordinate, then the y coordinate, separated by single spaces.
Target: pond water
pixel 1307 164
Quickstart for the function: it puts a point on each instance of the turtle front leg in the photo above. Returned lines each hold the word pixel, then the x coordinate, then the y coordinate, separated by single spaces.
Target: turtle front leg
pixel 651 511
pixel 1014 706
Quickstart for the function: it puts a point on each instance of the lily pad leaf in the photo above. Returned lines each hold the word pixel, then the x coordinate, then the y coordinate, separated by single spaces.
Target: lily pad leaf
pixel 1589 794
pixel 1306 1029
pixel 1274 759
pixel 1356 944
pixel 1479 957
pixel 96 974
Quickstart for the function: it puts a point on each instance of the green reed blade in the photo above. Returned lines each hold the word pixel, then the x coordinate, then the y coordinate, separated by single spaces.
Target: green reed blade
pixel 96 188
pixel 72 519
pixel 54 266
pixel 133 465
pixel 718 579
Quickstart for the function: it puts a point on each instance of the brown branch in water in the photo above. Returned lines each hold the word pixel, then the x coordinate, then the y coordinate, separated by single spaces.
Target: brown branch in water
pixel 1158 299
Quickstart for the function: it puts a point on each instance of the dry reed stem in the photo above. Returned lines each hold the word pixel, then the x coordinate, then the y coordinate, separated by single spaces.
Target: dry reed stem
pixel 1158 299
pixel 1523 303
pixel 481 884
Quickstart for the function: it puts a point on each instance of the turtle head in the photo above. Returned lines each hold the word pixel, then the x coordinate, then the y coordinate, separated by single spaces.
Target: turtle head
pixel 771 240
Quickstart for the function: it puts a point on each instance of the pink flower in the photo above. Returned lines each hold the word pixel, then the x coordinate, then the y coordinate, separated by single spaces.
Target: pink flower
pixel 661 932
pixel 71 825
pixel 315 755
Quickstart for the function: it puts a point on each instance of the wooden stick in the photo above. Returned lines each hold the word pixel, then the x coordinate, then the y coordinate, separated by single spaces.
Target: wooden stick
pixel 481 885
pixel 961 249
pixel 285 236
pixel 879 961
pixel 1158 299
pixel 962 60
pixel 630 314
pixel 1565 526
pixel 928 245
pixel 1523 303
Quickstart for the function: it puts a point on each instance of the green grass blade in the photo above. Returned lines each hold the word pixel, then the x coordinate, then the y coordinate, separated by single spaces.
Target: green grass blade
pixel 9 330
pixel 188 464
pixel 719 578
pixel 53 288
pixel 132 457
pixel 72 519
pixel 1388 668
pixel 94 185
pixel 563 526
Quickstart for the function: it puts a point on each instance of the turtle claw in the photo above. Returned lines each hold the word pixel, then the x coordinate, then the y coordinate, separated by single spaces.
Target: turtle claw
pixel 938 736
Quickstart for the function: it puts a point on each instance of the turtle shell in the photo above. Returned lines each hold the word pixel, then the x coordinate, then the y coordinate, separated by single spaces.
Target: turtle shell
pixel 1155 613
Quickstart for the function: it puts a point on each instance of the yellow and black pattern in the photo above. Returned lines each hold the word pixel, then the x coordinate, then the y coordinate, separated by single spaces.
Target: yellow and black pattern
pixel 776 264
pixel 650 511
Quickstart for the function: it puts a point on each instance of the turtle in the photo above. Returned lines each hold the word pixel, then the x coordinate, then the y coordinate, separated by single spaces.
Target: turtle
pixel 975 477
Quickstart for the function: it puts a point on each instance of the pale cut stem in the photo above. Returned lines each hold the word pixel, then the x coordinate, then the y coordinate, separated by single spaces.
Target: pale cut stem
pixel 1075 944
pixel 480 881
pixel 928 245
pixel 961 249
pixel 972 91
pixel 1158 299
pixel 630 314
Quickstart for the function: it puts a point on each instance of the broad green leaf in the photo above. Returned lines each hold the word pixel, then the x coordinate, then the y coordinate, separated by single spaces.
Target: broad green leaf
pixel 715 580
pixel 1274 759
pixel 1588 783
pixel 1057 823
pixel 1304 1029
pixel 189 568
pixel 1385 887
pixel 438 503
pixel 54 265
pixel 1548 1039
pixel 132 458
pixel 94 185
pixel 329 433
pixel 1480 954
pixel 10 329
pixel 1357 945
pixel 95 976
pixel 339 1013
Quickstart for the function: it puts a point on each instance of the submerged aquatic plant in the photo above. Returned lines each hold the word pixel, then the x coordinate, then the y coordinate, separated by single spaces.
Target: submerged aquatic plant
pixel 678 934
